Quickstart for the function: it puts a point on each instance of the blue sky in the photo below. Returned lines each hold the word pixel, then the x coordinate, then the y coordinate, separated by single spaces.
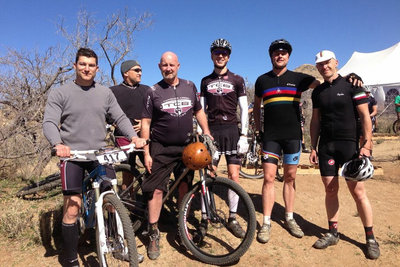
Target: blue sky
pixel 188 28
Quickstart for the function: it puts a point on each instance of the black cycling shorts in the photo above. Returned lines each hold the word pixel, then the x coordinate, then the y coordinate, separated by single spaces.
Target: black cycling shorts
pixel 73 172
pixel 166 159
pixel 227 137
pixel 332 155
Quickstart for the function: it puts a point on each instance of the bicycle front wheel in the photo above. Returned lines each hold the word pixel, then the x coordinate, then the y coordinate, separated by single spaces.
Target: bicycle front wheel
pixel 120 244
pixel 215 242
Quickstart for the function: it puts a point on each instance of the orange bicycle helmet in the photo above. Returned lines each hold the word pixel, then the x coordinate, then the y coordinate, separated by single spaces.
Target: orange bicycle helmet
pixel 195 156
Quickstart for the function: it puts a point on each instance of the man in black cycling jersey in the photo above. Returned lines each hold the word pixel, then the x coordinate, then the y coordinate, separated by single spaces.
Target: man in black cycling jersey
pixel 280 92
pixel 167 120
pixel 75 119
pixel 333 127
pixel 131 96
pixel 221 92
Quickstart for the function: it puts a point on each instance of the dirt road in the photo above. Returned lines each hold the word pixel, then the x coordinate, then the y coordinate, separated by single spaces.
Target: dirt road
pixel 283 249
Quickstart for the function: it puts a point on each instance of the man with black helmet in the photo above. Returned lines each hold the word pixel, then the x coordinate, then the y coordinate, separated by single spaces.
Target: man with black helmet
pixel 280 91
pixel 221 92
pixel 336 105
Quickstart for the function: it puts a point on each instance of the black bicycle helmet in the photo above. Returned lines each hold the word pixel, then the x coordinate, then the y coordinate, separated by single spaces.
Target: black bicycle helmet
pixel 221 43
pixel 280 44
pixel 358 169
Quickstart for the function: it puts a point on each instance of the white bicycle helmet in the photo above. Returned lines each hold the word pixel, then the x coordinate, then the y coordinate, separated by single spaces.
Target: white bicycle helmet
pixel 358 169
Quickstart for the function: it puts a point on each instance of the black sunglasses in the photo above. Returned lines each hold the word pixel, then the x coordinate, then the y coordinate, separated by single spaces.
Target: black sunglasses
pixel 220 52
pixel 137 70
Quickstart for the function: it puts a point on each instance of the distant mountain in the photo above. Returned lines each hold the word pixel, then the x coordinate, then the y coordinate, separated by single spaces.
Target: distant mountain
pixel 310 70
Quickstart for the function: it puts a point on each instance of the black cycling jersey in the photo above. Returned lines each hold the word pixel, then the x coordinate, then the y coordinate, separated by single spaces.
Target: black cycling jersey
pixel 131 100
pixel 281 97
pixel 221 93
pixel 171 110
pixel 337 103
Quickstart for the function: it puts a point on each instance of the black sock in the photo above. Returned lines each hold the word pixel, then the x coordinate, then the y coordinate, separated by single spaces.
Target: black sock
pixel 333 228
pixel 369 233
pixel 70 234
pixel 303 146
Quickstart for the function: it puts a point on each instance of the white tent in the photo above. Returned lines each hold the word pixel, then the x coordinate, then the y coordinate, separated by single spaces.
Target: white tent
pixel 379 70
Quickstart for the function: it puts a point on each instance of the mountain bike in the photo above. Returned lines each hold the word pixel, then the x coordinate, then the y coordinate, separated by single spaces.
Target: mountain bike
pixel 207 200
pixel 39 189
pixel 103 210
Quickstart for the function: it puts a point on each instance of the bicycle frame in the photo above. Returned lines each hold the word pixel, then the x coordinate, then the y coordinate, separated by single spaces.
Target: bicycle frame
pixel 93 182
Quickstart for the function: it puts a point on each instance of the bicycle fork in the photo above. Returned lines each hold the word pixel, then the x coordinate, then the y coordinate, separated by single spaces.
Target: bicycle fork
pixel 102 225
pixel 208 207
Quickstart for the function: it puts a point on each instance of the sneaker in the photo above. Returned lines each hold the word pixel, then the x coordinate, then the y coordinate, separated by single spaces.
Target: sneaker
pixel 305 150
pixel 153 250
pixel 235 228
pixel 264 233
pixel 327 240
pixel 293 228
pixel 373 251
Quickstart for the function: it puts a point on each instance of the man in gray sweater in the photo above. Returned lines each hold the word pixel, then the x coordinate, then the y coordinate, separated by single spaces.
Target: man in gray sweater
pixel 75 119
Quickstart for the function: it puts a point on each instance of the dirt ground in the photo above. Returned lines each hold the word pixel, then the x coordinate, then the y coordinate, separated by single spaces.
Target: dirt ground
pixel 282 249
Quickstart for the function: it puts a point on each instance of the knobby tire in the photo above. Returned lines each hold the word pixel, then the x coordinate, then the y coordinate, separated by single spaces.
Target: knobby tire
pixel 50 182
pixel 121 242
pixel 218 246
pixel 134 201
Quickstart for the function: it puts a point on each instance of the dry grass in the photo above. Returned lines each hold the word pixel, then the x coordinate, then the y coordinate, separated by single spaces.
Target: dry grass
pixel 29 222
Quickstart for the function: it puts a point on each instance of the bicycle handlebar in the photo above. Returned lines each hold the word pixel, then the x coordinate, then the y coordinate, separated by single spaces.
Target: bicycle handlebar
pixel 81 154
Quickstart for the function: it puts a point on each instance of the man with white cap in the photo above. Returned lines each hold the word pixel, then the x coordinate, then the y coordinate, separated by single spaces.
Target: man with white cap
pixel 333 128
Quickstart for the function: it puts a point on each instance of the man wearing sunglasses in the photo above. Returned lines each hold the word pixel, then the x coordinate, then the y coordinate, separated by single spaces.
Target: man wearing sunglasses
pixel 130 95
pixel 221 92
pixel 280 92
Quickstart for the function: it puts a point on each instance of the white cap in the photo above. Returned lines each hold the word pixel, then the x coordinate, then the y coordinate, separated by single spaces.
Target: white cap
pixel 324 55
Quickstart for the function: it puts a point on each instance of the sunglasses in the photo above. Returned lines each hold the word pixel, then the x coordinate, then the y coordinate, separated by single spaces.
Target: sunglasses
pixel 137 70
pixel 220 52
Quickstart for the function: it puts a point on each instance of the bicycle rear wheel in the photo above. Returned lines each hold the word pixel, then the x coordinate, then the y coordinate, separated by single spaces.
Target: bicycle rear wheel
pixel 120 244
pixel 251 166
pixel 218 245
pixel 132 197
pixel 50 182
pixel 396 126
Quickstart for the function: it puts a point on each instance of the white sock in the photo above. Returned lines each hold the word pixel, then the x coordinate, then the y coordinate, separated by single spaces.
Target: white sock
pixel 267 220
pixel 288 216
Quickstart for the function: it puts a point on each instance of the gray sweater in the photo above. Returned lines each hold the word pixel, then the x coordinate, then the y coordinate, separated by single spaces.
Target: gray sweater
pixel 76 116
